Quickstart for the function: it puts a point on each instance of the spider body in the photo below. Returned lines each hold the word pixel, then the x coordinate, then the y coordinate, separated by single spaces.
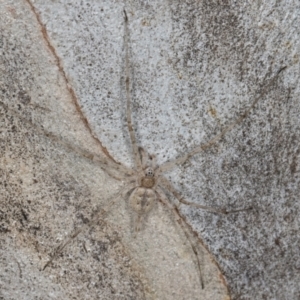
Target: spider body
pixel 144 195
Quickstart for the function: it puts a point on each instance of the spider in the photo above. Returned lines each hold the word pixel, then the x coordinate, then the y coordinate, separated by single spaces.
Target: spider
pixel 145 182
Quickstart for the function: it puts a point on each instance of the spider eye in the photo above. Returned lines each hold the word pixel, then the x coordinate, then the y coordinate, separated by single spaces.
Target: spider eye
pixel 149 172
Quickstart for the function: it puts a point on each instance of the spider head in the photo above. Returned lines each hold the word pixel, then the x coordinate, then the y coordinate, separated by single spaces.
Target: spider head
pixel 149 172
pixel 148 181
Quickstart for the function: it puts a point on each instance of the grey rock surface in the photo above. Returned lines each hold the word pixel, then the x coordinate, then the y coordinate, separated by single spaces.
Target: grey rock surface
pixel 196 67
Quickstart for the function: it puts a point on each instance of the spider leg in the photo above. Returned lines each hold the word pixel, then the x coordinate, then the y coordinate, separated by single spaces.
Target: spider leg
pixel 114 170
pixel 174 209
pixel 107 164
pixel 167 185
pixel 147 159
pixel 154 161
pixel 137 159
pixel 171 164
pixel 144 156
pixel 98 214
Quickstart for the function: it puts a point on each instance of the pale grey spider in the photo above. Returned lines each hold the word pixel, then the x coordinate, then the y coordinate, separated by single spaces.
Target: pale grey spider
pixel 145 182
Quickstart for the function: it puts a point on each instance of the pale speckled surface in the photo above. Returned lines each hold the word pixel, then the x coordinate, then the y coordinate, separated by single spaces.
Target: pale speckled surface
pixel 196 67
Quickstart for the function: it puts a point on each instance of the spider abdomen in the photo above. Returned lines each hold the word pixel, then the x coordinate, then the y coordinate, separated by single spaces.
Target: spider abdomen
pixel 142 200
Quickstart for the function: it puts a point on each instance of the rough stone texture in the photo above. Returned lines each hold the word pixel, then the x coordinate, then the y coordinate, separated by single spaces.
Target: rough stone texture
pixel 197 65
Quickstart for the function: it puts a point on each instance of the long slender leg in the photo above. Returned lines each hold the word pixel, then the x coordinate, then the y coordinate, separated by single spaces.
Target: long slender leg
pixel 169 165
pixel 144 155
pixel 112 168
pixel 173 208
pixel 167 185
pixel 147 158
pixel 137 159
pixel 153 161
pixel 99 213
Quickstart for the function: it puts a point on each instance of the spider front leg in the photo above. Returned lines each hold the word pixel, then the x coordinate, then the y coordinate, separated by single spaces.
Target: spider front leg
pixel 112 168
pixel 137 159
pixel 167 185
pixel 144 156
pixel 147 159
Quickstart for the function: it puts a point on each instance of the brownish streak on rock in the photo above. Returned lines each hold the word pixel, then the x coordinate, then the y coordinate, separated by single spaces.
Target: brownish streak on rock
pixel 68 85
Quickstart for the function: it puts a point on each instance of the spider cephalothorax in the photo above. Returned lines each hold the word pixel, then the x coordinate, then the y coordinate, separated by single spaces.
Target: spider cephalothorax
pixel 148 181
